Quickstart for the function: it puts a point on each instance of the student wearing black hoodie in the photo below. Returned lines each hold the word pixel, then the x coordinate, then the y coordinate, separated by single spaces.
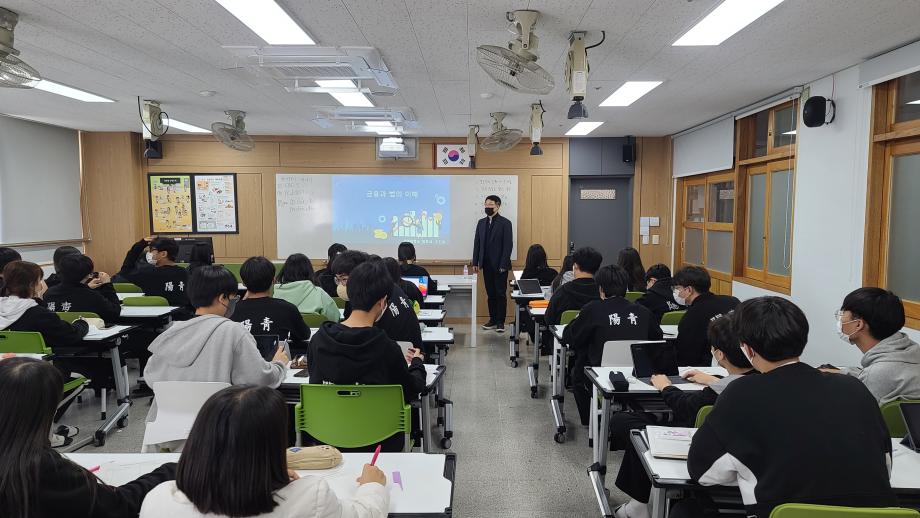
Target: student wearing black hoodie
pixel 691 288
pixel 410 289
pixel 80 290
pixel 581 290
pixel 324 278
pixel 407 267
pixel 161 275
pixel 659 297
pixel 356 351
pixel 399 321
pixel 537 267
pixel 55 278
pixel 610 318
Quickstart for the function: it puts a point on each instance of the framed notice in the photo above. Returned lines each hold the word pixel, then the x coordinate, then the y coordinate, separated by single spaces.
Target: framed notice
pixel 451 155
pixel 171 203
pixel 193 203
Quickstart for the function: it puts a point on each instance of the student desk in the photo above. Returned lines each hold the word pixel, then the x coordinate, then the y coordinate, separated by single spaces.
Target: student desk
pixel 123 296
pixel 520 302
pixel 670 332
pixel 669 477
pixel 464 282
pixel 427 480
pixel 290 388
pixel 434 301
pixel 537 315
pixel 600 421
pixel 431 316
pixel 442 338
pixel 147 316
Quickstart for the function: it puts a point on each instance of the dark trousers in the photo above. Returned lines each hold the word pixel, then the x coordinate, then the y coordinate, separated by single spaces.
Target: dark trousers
pixel 496 289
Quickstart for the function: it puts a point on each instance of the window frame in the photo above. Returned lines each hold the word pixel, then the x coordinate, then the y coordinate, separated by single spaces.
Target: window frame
pixel 706 181
pixel 887 141
pixel 764 275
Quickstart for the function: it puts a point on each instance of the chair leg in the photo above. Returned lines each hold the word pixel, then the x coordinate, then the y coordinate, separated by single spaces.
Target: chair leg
pixel 103 403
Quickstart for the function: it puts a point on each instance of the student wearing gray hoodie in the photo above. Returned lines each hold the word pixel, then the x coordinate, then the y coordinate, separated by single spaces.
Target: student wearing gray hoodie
pixel 871 319
pixel 211 347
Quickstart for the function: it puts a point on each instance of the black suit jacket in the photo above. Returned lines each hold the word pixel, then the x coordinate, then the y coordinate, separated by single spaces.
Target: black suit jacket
pixel 498 246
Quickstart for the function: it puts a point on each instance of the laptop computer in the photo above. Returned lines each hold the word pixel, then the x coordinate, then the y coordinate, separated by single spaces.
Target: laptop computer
pixel 910 412
pixel 420 282
pixel 530 287
pixel 655 358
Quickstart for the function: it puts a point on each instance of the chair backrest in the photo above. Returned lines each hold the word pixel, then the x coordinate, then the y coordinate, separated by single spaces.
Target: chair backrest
pixel 672 318
pixel 617 353
pixel 178 403
pixel 339 302
pixel 235 270
pixel 313 320
pixel 568 316
pixel 23 342
pixel 891 412
pixel 701 415
pixel 832 511
pixel 146 300
pixel 633 296
pixel 70 316
pixel 126 287
pixel 352 416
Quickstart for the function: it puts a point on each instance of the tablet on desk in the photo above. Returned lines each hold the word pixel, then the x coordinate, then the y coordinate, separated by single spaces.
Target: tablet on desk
pixel 911 414
pixel 658 357
pixel 530 287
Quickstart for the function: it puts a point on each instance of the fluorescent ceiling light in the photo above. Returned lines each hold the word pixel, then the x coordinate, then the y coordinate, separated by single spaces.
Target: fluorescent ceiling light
pixel 789 132
pixel 379 124
pixel 630 92
pixel 389 132
pixel 583 128
pixel 915 102
pixel 269 21
pixel 345 99
pixel 724 21
pixel 183 126
pixel 73 93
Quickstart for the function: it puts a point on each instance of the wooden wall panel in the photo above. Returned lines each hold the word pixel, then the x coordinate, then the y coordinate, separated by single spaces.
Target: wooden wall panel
pixel 188 154
pixel 249 241
pixel 652 196
pixel 546 215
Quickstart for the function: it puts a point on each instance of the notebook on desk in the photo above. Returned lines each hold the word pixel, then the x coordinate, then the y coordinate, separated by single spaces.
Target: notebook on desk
pixel 667 442
pixel 650 358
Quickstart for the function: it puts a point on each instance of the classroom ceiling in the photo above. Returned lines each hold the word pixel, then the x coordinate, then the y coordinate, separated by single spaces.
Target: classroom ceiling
pixel 171 50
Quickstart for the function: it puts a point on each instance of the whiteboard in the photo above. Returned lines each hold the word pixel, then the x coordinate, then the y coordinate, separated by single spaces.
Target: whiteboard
pixel 374 213
pixel 39 182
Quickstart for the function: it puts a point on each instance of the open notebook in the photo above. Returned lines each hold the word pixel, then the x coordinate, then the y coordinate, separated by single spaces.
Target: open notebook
pixel 665 442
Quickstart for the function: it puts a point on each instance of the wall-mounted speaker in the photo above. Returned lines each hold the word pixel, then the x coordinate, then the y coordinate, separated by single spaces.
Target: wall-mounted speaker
pixel 629 150
pixel 153 149
pixel 816 110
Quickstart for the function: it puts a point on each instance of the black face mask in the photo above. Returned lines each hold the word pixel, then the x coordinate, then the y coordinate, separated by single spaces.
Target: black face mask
pixel 490 211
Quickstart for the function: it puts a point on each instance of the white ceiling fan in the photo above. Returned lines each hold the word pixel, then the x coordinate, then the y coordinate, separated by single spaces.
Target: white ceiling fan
pixel 233 135
pixel 501 138
pixel 14 72
pixel 515 67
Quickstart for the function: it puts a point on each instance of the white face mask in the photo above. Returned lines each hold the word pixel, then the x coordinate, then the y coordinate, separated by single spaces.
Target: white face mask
pixel 744 351
pixel 381 313
pixel 843 336
pixel 341 292
pixel 150 259
pixel 678 299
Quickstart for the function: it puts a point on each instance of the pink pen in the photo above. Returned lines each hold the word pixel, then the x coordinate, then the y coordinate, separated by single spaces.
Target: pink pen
pixel 93 469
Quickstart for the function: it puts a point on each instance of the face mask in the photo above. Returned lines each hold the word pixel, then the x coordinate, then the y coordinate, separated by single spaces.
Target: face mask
pixel 231 307
pixel 744 351
pixel 341 292
pixel 381 313
pixel 150 259
pixel 843 336
pixel 490 211
pixel 678 299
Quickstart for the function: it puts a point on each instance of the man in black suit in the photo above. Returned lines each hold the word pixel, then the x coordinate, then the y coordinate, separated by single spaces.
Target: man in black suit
pixel 492 253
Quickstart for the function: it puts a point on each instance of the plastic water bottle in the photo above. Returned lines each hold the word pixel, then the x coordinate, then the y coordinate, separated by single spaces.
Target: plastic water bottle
pixel 466 270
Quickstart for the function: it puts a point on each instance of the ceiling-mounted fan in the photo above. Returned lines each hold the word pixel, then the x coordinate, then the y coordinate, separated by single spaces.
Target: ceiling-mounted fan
pixel 233 135
pixel 14 72
pixel 516 67
pixel 501 138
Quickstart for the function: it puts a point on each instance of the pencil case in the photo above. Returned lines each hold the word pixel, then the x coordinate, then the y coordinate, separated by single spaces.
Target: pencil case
pixel 539 303
pixel 313 457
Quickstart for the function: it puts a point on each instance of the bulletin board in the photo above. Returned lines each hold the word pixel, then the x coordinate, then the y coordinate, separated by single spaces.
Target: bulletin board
pixel 193 203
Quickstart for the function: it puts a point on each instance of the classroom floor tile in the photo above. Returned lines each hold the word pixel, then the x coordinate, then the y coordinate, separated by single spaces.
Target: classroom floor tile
pixel 507 462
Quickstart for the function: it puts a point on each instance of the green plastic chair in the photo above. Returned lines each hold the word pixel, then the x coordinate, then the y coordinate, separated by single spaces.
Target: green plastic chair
pixel 568 316
pixel 353 416
pixel 833 511
pixel 126 287
pixel 146 300
pixel 701 415
pixel 633 296
pixel 672 318
pixel 70 316
pixel 891 412
pixel 235 270
pixel 313 320
pixel 22 342
pixel 339 302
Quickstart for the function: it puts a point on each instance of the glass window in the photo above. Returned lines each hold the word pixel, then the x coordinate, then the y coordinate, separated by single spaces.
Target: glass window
pixel 696 203
pixel 756 225
pixel 722 202
pixel 761 132
pixel 903 244
pixel 719 250
pixel 908 108
pixel 693 246
pixel 784 126
pixel 780 244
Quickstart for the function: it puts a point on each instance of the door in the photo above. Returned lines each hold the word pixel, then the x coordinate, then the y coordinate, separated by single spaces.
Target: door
pixel 604 224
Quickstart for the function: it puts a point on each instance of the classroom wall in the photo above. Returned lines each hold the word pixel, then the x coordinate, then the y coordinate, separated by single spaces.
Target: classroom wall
pixel 829 217
pixel 652 197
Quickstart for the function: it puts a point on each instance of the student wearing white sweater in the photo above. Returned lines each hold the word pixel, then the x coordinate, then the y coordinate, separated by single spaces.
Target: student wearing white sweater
pixel 234 464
